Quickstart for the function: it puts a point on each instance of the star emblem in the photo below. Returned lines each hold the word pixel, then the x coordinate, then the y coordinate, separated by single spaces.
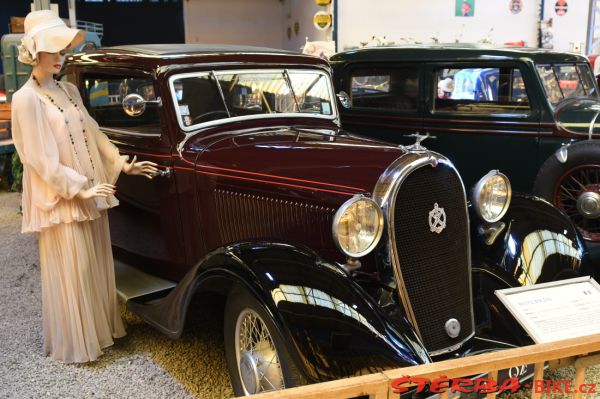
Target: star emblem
pixel 437 219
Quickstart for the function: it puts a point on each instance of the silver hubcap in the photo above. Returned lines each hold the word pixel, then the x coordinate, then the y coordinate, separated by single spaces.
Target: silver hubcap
pixel 258 363
pixel 588 205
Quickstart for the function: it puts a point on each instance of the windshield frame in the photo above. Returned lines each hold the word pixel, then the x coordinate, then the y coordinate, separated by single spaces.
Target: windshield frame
pixel 283 71
pixel 577 65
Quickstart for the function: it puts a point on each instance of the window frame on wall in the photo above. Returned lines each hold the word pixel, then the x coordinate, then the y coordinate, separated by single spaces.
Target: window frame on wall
pixel 384 68
pixel 434 68
pixel 117 75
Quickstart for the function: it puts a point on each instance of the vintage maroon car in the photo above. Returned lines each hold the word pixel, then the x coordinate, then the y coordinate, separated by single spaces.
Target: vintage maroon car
pixel 335 255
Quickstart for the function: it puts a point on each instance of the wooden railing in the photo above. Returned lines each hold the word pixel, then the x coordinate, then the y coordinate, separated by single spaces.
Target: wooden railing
pixel 580 352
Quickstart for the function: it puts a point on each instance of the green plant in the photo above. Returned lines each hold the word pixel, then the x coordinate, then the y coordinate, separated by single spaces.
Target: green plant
pixel 17 173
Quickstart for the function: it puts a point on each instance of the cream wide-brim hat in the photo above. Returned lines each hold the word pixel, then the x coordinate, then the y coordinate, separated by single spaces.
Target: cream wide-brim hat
pixel 46 32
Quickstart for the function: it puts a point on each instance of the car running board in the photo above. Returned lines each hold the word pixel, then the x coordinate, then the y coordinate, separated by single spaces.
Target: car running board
pixel 134 283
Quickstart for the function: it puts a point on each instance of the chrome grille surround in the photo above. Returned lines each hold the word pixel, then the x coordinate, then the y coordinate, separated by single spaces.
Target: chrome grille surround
pixel 385 193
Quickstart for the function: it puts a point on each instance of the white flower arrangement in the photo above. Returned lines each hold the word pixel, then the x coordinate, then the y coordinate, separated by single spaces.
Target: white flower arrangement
pixel 27 53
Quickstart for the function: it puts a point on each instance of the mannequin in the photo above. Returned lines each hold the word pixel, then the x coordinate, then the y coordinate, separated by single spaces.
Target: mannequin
pixel 69 173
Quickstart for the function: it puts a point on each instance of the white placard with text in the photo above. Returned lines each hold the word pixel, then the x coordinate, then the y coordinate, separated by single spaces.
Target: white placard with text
pixel 556 311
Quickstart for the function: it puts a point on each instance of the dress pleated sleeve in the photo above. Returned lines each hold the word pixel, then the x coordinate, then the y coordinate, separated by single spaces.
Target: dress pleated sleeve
pixel 58 161
pixel 112 161
pixel 38 149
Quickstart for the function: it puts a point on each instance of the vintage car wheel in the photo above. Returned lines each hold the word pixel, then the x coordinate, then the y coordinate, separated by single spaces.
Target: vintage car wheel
pixel 574 186
pixel 256 356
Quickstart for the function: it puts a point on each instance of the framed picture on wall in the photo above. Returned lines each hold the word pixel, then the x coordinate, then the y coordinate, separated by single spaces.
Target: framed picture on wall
pixel 465 8
pixel 515 6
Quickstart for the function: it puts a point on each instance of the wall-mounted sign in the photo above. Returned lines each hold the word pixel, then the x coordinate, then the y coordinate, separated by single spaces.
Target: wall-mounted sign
pixel 561 7
pixel 322 20
pixel 323 2
pixel 515 6
pixel 464 8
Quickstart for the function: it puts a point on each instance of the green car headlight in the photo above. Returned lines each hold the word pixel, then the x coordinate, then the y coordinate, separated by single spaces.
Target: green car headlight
pixel 491 196
pixel 358 226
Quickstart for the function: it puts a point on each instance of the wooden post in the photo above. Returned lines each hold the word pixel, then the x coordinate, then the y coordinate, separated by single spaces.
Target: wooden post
pixel 579 379
pixel 538 375
pixel 492 375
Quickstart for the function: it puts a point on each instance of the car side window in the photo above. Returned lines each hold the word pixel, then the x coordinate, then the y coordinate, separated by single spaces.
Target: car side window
pixel 480 90
pixel 105 96
pixel 394 89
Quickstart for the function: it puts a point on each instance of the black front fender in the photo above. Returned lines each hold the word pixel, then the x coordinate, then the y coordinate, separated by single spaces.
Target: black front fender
pixel 331 326
pixel 537 243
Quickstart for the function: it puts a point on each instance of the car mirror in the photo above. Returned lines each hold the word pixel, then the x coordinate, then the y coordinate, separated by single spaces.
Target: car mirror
pixel 344 99
pixel 135 105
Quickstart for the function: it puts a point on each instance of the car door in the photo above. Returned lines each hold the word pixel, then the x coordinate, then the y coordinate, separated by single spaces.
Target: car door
pixel 145 227
pixel 483 117
pixel 386 100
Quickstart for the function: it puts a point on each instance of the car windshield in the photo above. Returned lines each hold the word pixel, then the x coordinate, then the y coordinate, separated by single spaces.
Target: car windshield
pixel 213 96
pixel 566 81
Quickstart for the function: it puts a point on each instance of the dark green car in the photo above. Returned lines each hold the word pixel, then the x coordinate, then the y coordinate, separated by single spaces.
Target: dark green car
pixel 528 112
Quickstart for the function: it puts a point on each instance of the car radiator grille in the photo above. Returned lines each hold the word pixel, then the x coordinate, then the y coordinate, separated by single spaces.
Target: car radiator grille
pixel 435 267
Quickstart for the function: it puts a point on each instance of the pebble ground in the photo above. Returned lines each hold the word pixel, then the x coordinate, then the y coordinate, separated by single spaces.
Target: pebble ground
pixel 143 364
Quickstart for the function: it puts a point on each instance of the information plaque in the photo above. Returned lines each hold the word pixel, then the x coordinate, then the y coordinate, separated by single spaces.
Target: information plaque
pixel 556 311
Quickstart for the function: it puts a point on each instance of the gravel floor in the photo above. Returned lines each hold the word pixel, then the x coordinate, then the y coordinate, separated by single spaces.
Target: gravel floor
pixel 143 364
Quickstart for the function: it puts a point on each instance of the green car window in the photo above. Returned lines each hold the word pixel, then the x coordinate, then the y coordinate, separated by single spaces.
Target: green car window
pixel 394 89
pixel 481 90
pixel 564 81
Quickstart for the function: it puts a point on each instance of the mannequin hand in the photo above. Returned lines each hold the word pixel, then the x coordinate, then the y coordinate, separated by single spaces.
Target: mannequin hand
pixel 99 190
pixel 143 168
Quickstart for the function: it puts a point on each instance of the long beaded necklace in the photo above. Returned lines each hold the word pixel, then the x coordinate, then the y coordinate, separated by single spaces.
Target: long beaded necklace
pixel 67 124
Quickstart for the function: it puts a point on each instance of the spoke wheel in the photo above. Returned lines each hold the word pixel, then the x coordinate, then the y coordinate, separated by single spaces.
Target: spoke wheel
pixel 258 363
pixel 258 358
pixel 577 193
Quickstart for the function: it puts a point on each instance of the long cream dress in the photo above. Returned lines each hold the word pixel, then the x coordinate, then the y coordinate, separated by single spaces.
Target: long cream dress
pixel 79 304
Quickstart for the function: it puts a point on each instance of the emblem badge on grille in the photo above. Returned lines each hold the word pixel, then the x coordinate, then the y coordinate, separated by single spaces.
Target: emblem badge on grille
pixel 437 219
pixel 453 328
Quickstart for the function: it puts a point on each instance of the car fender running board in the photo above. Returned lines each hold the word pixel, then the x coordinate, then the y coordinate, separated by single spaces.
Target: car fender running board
pixel 134 283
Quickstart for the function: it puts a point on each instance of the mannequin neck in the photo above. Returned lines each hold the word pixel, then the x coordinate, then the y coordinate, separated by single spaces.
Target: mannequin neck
pixel 45 78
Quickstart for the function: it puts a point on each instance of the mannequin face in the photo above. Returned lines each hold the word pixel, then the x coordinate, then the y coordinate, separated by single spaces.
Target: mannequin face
pixel 50 63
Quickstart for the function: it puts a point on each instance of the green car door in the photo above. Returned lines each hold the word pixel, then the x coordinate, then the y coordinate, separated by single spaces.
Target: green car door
pixel 483 117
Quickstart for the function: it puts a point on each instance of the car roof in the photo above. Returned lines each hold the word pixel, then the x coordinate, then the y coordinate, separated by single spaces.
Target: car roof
pixel 161 50
pixel 454 52
pixel 152 55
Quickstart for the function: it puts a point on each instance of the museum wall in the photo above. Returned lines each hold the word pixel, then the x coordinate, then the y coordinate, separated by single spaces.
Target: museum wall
pixel 256 22
pixel 571 27
pixel 359 20
pixel 301 11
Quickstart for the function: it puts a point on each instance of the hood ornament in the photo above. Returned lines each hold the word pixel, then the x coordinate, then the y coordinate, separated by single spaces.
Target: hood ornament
pixel 419 138
pixel 437 219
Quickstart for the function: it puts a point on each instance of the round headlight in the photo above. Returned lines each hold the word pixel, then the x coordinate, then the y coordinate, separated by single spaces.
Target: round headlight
pixel 491 196
pixel 357 226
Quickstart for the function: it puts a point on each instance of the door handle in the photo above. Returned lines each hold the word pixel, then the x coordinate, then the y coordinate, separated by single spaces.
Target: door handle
pixel 167 172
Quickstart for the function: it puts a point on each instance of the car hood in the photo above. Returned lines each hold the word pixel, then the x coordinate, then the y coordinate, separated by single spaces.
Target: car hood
pixel 325 160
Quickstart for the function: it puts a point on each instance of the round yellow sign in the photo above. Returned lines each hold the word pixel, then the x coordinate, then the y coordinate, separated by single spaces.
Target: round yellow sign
pixel 322 20
pixel 323 2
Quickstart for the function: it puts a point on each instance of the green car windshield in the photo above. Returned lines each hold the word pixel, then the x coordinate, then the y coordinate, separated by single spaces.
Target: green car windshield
pixel 566 81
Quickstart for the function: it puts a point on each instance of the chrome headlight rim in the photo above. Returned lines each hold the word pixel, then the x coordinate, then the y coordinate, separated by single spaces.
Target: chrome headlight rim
pixel 477 191
pixel 336 222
